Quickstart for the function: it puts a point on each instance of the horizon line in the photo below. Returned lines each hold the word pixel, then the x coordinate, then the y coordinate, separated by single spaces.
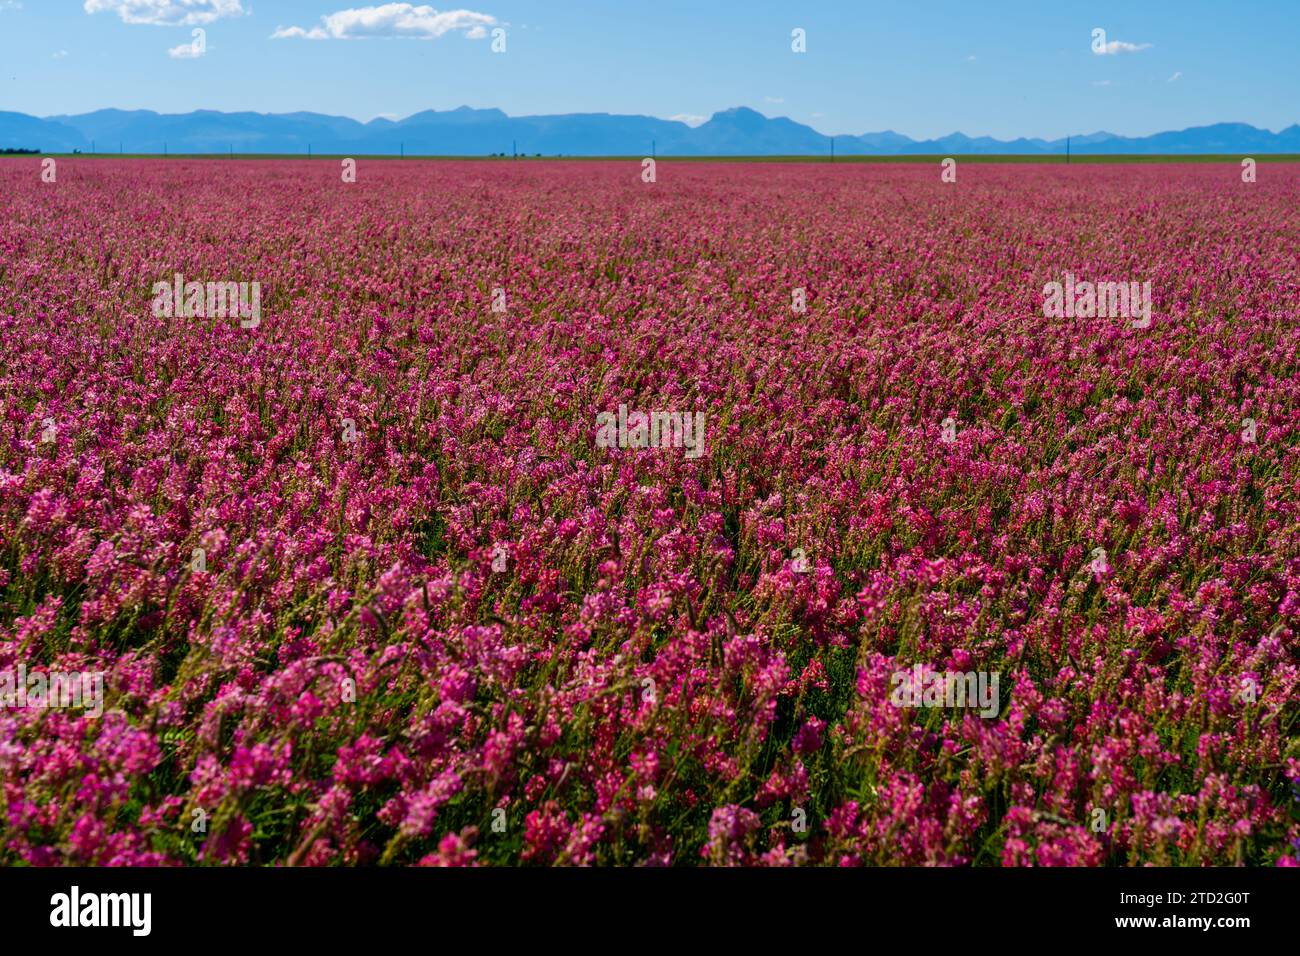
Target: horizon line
pixel 731 109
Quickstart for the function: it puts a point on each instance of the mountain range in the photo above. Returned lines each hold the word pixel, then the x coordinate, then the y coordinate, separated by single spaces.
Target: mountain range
pixel 479 132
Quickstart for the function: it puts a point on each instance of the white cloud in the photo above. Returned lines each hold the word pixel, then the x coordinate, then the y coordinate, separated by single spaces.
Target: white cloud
pixel 971 58
pixel 167 13
pixel 1176 77
pixel 186 51
pixel 1101 82
pixel 60 55
pixel 1119 46
pixel 298 33
pixel 689 119
pixel 774 99
pixel 390 21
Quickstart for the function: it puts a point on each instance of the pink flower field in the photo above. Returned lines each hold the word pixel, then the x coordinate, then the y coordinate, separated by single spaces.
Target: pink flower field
pixel 548 516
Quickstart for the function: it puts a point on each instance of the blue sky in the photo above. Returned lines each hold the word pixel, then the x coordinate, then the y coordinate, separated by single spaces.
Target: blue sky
pixel 922 67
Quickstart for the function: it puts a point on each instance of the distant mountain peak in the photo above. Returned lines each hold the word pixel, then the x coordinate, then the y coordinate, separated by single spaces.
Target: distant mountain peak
pixel 469 131
pixel 740 117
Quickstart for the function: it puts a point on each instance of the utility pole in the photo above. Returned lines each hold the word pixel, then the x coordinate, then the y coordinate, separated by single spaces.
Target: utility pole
pixel 309 150
pixel 403 150
pixel 514 150
pixel 1067 151
pixel 832 149
pixel 653 155
pixel 92 147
